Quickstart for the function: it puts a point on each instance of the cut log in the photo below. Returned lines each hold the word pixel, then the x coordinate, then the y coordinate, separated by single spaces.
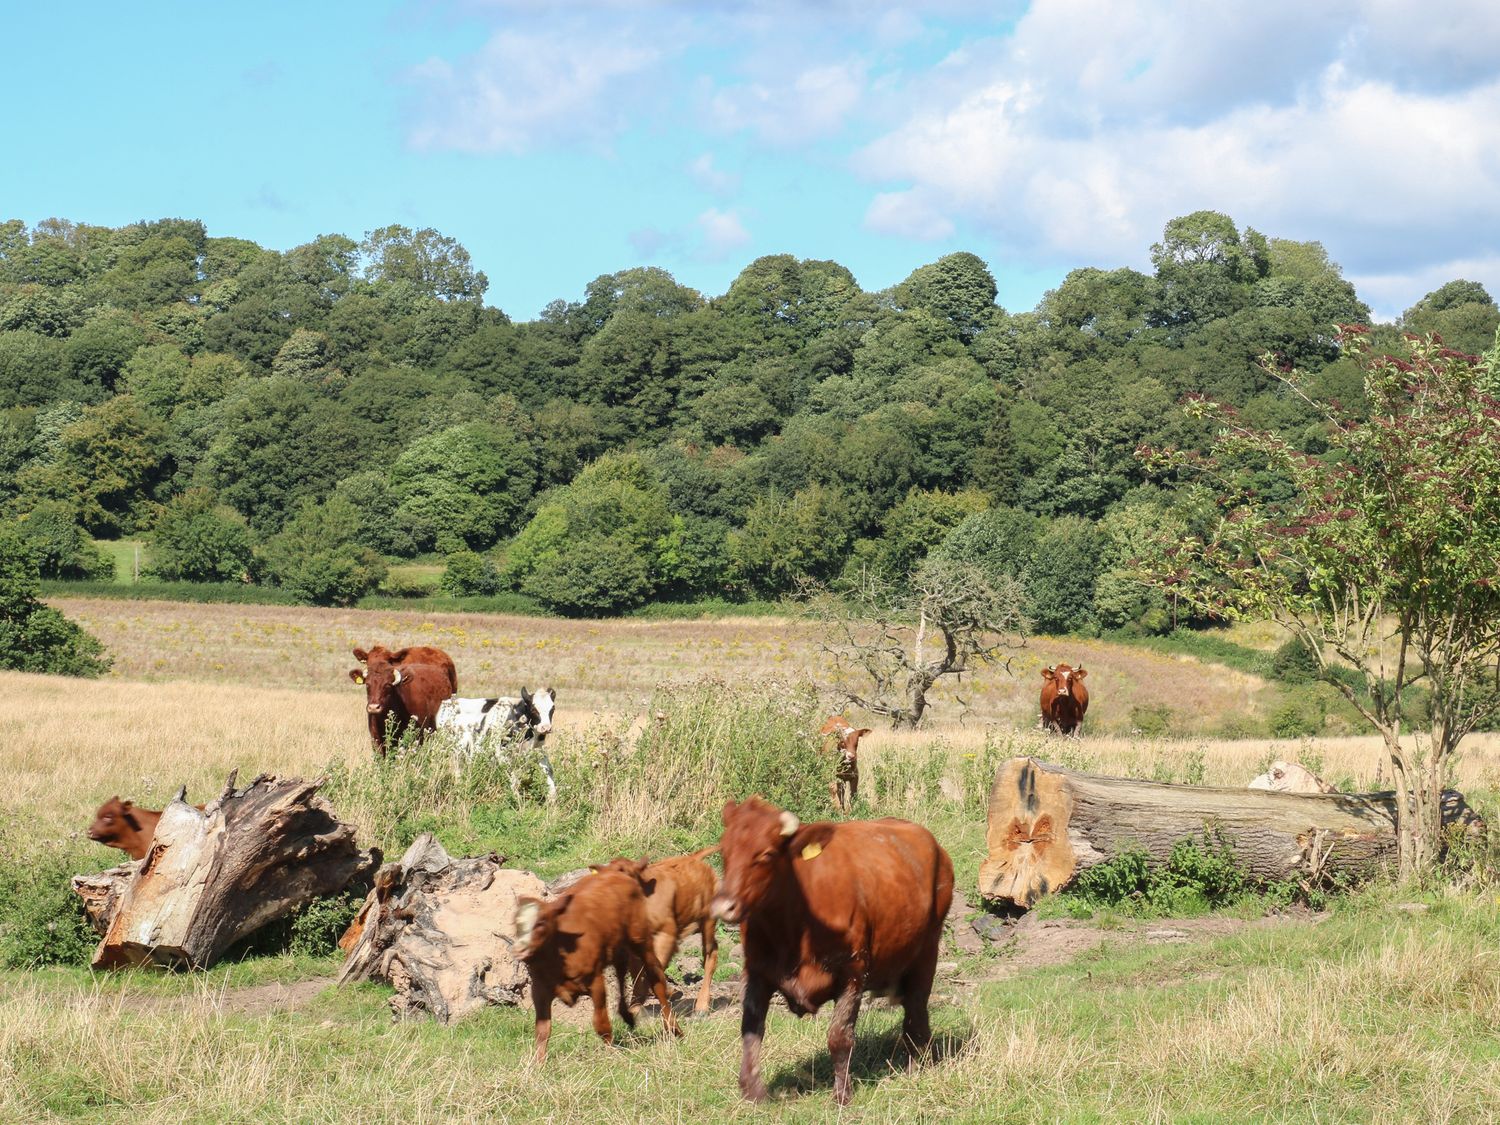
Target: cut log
pixel 215 876
pixel 440 931
pixel 1047 823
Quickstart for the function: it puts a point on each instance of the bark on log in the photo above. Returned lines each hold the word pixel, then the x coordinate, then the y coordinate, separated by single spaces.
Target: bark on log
pixel 440 931
pixel 1047 823
pixel 217 875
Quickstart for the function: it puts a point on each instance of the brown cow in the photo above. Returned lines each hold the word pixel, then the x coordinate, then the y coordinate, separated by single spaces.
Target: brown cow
pixel 599 921
pixel 844 787
pixel 679 898
pixel 403 687
pixel 828 912
pixel 1064 699
pixel 122 824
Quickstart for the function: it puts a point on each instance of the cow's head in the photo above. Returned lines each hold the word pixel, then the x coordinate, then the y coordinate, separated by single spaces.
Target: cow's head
pixel 380 677
pixel 536 926
pixel 543 703
pixel 755 846
pixel 1064 678
pixel 114 821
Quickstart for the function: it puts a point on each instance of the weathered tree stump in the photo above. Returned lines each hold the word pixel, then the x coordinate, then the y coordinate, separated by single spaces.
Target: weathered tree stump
pixel 215 876
pixel 1047 823
pixel 440 931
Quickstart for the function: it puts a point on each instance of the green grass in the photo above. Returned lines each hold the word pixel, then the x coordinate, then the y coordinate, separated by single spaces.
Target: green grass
pixel 1374 1014
pixel 1208 646
pixel 124 553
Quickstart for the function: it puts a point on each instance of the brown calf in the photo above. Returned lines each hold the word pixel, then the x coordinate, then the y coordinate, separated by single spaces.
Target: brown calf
pixel 679 898
pixel 828 912
pixel 124 825
pixel 599 921
pixel 844 787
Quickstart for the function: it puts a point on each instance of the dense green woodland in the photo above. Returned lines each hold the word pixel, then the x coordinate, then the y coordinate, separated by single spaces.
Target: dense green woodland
pixel 301 419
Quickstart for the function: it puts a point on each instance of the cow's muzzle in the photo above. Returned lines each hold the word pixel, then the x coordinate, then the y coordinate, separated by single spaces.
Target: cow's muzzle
pixel 726 909
pixel 544 728
pixel 373 708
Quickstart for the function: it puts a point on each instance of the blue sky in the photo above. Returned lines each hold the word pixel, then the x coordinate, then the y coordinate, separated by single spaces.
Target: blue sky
pixel 559 141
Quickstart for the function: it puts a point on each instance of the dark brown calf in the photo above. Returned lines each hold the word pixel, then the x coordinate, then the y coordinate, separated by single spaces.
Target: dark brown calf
pixel 679 899
pixel 829 912
pixel 600 921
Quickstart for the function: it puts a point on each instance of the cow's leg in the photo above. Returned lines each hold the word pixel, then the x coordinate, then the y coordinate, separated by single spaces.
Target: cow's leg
pixel 916 989
pixel 841 1039
pixel 835 794
pixel 659 987
pixel 542 998
pixel 757 999
pixel 600 998
pixel 664 943
pixel 853 788
pixel 623 974
pixel 546 764
pixel 710 965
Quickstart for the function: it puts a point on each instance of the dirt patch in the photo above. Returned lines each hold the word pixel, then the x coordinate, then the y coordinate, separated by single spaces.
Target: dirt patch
pixel 264 999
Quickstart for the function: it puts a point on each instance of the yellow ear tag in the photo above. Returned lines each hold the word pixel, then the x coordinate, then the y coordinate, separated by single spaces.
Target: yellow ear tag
pixel 812 851
pixel 359 679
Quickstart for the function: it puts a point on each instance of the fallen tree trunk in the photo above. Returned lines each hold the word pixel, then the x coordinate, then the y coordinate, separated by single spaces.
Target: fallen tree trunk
pixel 217 875
pixel 1046 824
pixel 440 931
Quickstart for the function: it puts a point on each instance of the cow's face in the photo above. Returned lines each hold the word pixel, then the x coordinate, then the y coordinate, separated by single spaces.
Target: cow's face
pixel 380 681
pixel 113 822
pixel 1064 678
pixel 543 703
pixel 754 849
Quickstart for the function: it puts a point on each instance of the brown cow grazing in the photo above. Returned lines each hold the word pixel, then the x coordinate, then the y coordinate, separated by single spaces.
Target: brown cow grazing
pixel 679 898
pixel 1064 699
pixel 121 824
pixel 403 687
pixel 844 787
pixel 828 912
pixel 599 921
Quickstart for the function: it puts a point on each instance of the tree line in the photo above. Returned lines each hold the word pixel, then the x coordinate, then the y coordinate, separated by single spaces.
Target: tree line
pixel 302 419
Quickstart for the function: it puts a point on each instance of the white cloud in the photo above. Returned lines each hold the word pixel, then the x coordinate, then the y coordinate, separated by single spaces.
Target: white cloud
pixel 908 214
pixel 524 87
pixel 793 107
pixel 707 175
pixel 720 233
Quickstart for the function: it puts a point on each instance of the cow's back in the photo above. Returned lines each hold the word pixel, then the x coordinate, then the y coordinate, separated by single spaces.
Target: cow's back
pixel 879 887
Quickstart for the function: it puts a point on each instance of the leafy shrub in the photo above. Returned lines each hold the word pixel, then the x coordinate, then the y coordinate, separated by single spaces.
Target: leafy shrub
pixel 1301 715
pixel 402 584
pixel 1294 663
pixel 197 539
pixel 468 573
pixel 318 557
pixel 1197 876
pixel 61 548
pixel 35 637
pixel 1152 721
pixel 41 919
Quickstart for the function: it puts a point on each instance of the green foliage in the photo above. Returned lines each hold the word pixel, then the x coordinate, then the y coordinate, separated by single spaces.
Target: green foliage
pixel 197 539
pixel 462 486
pixel 61 548
pixel 317 557
pixel 35 637
pixel 1295 663
pixel 1060 582
pixel 1198 876
pixel 466 573
pixel 41 919
pixel 788 539
pixel 1151 720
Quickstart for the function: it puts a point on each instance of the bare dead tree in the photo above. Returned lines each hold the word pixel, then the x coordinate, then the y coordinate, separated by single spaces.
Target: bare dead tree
pixel 890 645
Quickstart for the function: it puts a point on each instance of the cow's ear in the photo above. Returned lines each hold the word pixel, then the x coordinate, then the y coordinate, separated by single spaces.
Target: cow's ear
pixel 729 808
pixel 861 732
pixel 129 816
pixel 399 655
pixel 1047 673
pixel 362 656
pixel 597 868
pixel 1079 672
pixel 648 886
pixel 525 696
pixel 552 691
pixel 357 675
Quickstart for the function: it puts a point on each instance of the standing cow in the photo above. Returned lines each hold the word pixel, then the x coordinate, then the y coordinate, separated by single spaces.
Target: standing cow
pixel 403 688
pixel 829 912
pixel 843 790
pixel 1064 699
pixel 599 921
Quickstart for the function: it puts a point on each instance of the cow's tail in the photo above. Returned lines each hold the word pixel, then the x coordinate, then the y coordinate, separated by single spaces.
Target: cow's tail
pixel 703 853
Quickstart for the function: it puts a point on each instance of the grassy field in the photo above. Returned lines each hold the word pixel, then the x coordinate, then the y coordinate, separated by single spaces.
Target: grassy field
pixel 1368 1013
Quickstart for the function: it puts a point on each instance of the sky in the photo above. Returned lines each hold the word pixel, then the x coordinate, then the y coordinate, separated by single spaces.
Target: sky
pixel 560 141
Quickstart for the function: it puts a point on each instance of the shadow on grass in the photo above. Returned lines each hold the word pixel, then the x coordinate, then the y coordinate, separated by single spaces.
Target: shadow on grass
pixel 876 1055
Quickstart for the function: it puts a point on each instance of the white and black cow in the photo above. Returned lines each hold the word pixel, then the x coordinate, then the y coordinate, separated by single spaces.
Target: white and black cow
pixel 485 724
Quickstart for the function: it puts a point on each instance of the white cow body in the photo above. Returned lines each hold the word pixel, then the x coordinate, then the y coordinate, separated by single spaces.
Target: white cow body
pixel 484 725
pixel 1289 777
